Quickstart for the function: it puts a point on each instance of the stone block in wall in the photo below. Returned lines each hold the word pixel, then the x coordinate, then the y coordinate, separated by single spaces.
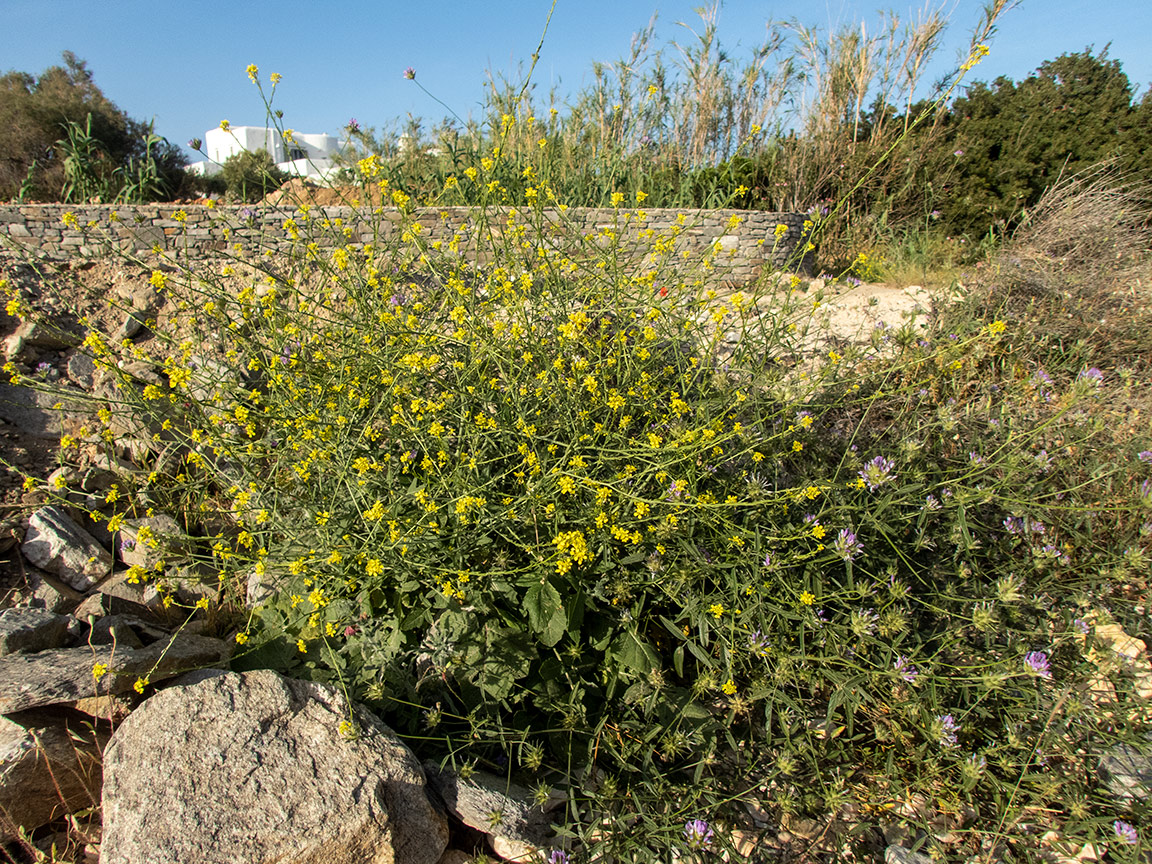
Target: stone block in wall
pixel 140 236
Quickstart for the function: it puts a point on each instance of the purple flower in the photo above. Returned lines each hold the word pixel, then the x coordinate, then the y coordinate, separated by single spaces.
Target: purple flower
pixel 948 729
pixel 877 472
pixel 1080 624
pixel 1036 662
pixel 975 458
pixel 410 74
pixel 758 644
pixel 559 856
pixel 698 834
pixel 674 492
pixel 44 368
pixel 1146 490
pixel 905 669
pixel 767 559
pixel 354 124
pixel 957 153
pixel 127 545
pixel 1144 455
pixel 846 545
pixel 195 143
pixel 1092 375
pixel 1125 832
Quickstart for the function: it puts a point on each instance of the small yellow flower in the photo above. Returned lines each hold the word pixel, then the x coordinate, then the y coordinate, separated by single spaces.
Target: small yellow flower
pixel 225 125
pixel 997 327
pixel 807 598
pixel 241 638
pixel 716 610
pixel 301 646
pixel 140 684
pixel 729 687
pixel 275 78
pixel 253 71
pixel 99 670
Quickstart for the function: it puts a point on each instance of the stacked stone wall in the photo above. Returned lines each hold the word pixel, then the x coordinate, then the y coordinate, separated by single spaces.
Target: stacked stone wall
pixel 740 243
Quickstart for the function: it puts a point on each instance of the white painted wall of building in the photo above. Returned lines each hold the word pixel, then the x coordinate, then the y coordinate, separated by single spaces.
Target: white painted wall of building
pixel 307 155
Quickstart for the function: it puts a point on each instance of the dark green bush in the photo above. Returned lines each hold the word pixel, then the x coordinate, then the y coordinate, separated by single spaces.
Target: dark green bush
pixel 250 176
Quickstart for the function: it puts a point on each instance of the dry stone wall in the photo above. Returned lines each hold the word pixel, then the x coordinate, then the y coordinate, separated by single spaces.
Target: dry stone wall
pixel 740 243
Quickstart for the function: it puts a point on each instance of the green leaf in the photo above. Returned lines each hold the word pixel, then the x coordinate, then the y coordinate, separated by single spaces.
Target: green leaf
pixel 541 603
pixel 631 651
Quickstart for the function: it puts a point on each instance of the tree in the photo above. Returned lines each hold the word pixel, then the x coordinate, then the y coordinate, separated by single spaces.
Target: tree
pixel 37 113
pixel 1013 141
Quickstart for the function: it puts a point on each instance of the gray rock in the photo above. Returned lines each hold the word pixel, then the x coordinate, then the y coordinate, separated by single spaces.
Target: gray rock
pixel 57 545
pixel 31 630
pixel 252 767
pixel 900 855
pixel 48 767
pixel 117 630
pixel 43 335
pixel 65 675
pixel 491 804
pixel 1127 772
pixel 32 410
pixel 44 591
pixel 81 370
pixel 164 536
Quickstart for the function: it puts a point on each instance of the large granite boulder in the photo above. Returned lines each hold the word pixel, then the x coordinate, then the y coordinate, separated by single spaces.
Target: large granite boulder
pixel 258 767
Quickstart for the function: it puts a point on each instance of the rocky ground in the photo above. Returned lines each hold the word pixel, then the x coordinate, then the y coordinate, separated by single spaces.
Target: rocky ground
pixel 102 689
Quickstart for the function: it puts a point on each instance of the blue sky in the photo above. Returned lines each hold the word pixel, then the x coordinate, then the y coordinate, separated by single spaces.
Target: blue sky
pixel 183 63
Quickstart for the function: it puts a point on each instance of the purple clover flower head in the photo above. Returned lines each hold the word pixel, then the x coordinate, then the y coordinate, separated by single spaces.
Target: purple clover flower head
pixel 905 669
pixel 559 856
pixel 1081 625
pixel 674 492
pixel 877 472
pixel 1013 524
pixel 1092 375
pixel 767 559
pixel 127 545
pixel 846 545
pixel 948 729
pixel 195 143
pixel 410 74
pixel 1145 456
pixel 975 458
pixel 698 834
pixel 957 153
pixel 758 644
pixel 931 502
pixel 43 368
pixel 1125 833
pixel 1036 662
pixel 1146 491
pixel 396 299
pixel 353 124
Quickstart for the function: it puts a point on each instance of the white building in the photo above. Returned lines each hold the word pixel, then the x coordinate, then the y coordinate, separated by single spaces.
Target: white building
pixel 301 155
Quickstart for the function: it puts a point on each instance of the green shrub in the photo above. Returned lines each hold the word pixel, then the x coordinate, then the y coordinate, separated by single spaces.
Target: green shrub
pixel 249 176
pixel 567 510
